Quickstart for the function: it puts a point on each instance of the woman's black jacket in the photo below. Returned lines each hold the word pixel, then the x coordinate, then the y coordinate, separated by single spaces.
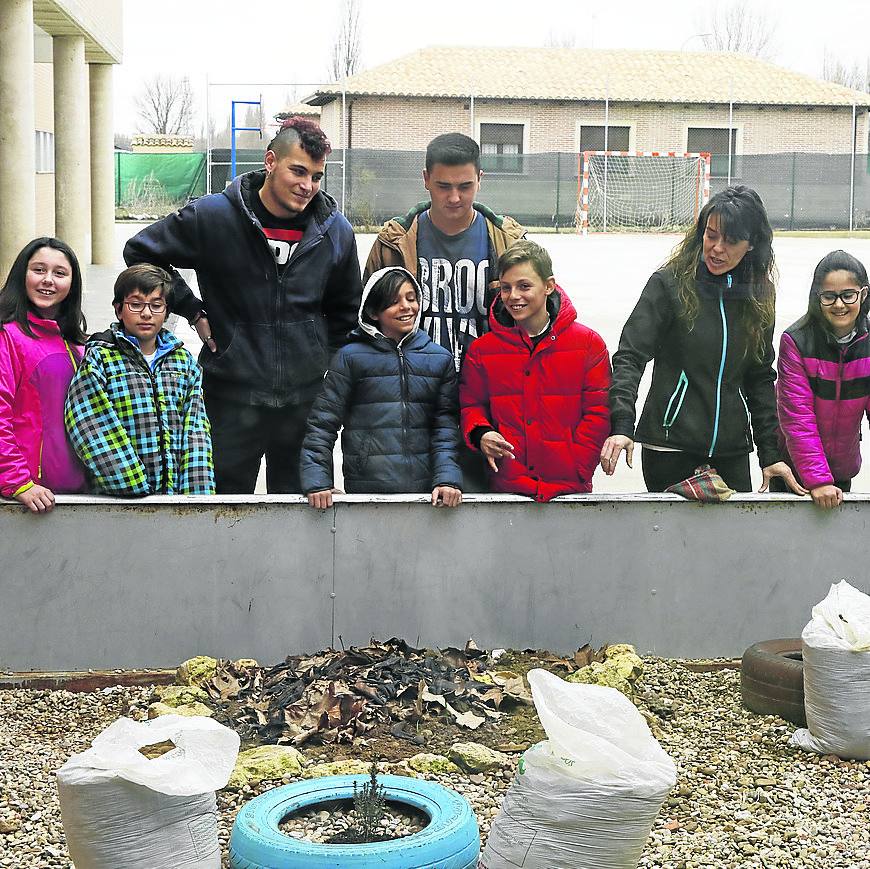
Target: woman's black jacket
pixel 706 385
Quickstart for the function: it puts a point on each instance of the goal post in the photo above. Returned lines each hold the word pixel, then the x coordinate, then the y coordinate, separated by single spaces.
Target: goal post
pixel 640 191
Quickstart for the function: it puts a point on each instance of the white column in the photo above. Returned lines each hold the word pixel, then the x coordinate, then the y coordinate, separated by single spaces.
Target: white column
pixel 17 131
pixel 72 179
pixel 102 164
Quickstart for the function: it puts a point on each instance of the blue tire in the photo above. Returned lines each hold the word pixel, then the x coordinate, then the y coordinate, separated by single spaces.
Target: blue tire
pixel 451 840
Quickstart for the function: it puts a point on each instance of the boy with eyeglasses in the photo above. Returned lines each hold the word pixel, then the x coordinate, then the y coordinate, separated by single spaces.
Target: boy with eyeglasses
pixel 135 412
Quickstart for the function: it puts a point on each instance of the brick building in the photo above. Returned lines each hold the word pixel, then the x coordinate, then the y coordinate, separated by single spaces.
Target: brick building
pixel 532 100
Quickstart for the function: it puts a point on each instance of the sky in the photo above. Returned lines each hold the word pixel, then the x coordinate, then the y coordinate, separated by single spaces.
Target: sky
pixel 253 41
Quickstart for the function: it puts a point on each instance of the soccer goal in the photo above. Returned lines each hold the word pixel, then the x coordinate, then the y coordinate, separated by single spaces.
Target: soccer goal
pixel 640 191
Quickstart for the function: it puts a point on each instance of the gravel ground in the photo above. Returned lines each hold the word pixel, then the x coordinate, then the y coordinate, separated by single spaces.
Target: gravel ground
pixel 744 798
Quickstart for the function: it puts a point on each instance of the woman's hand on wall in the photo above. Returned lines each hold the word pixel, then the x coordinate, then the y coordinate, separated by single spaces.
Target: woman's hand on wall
pixel 781 469
pixel 37 499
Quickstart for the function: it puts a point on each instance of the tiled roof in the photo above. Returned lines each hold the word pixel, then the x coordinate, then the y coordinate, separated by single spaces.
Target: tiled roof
pixel 592 74
pixel 302 109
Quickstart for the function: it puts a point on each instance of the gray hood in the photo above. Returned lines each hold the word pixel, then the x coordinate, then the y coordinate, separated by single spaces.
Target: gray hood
pixel 368 328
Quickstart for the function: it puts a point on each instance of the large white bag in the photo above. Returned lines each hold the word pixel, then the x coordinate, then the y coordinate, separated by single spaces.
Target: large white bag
pixel 587 797
pixel 120 809
pixel 836 653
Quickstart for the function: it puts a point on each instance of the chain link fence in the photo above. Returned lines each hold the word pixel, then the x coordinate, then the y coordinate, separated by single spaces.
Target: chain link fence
pixel 801 191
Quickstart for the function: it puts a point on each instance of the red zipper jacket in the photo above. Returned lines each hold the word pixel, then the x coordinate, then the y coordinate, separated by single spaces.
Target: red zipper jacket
pixel 549 401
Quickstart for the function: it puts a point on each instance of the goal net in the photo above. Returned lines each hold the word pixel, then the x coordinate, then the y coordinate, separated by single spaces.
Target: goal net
pixel 640 191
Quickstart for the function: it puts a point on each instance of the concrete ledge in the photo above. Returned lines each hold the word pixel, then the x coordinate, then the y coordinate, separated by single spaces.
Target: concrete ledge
pixel 106 583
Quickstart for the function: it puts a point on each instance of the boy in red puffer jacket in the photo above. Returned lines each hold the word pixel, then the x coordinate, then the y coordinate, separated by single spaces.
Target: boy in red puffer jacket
pixel 534 388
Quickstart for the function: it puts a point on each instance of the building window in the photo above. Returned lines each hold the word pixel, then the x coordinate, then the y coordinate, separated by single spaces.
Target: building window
pixel 44 151
pixel 501 147
pixel 714 140
pixel 592 138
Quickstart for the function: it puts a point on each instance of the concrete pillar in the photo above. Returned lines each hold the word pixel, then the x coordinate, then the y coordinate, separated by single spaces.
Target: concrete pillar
pixel 72 179
pixel 102 164
pixel 17 131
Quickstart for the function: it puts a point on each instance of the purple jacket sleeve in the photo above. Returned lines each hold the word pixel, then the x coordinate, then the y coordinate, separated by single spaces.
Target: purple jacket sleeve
pixel 797 417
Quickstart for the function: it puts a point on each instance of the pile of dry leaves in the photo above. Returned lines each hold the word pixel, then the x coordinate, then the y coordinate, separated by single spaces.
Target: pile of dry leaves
pixel 337 696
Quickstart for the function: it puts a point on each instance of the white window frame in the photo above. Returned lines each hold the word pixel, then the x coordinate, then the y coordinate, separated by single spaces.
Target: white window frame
pixel 588 122
pixel 526 125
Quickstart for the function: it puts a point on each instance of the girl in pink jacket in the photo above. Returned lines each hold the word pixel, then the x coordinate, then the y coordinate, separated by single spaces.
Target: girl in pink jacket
pixel 42 331
pixel 823 389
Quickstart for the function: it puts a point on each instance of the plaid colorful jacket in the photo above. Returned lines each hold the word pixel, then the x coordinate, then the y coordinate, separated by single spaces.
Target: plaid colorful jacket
pixel 140 431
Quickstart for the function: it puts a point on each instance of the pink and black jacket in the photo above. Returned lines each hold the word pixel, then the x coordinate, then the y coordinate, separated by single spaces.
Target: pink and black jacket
pixel 823 391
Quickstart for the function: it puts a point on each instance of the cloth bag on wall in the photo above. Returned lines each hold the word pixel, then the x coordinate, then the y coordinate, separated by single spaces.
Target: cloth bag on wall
pixel 121 809
pixel 836 653
pixel 586 797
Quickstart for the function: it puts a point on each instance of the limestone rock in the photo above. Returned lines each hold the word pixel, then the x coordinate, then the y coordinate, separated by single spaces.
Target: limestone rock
pixel 337 767
pixel 155 710
pixel 474 757
pixel 196 670
pixel 245 664
pixel 621 669
pixel 434 763
pixel 264 762
pixel 178 695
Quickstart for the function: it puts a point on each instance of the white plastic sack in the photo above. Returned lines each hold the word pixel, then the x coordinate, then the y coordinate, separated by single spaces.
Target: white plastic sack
pixel 587 797
pixel 121 809
pixel 837 675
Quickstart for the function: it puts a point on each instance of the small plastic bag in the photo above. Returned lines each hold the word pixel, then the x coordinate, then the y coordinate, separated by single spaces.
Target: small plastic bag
pixel 837 675
pixel 120 808
pixel 586 797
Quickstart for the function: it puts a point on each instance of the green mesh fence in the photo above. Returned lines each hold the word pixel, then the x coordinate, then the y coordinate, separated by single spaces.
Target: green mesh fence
pixel 149 182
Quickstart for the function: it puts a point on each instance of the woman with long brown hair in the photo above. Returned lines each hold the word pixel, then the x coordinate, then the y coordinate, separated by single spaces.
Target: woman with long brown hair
pixel 706 321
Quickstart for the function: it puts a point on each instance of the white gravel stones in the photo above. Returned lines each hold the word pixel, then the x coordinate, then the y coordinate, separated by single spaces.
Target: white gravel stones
pixel 743 798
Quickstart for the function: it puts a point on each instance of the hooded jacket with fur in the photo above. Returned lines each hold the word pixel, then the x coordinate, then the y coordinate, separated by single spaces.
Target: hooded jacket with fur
pixel 274 333
pixel 548 400
pixel 398 405
pixel 823 392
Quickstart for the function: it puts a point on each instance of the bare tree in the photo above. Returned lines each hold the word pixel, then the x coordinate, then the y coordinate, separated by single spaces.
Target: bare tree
pixel 347 48
pixel 737 26
pixel 854 75
pixel 165 105
pixel 560 39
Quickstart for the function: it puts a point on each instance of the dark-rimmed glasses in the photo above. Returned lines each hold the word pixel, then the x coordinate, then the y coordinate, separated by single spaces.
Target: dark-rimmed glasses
pixel 157 307
pixel 847 297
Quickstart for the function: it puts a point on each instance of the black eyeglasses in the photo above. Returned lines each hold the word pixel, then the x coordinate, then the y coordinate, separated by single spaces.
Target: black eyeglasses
pixel 847 297
pixel 154 307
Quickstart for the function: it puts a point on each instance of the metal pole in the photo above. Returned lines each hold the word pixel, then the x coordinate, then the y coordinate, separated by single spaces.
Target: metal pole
pixel 232 140
pixel 558 183
pixel 207 138
pixel 852 168
pixel 343 144
pixel 471 114
pixel 730 125
pixel 606 145
pixel 793 184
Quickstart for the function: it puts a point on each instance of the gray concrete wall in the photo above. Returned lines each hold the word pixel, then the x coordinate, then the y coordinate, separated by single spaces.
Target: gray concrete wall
pixel 101 583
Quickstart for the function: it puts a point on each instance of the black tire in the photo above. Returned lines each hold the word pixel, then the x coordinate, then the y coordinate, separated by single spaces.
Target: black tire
pixel 772 680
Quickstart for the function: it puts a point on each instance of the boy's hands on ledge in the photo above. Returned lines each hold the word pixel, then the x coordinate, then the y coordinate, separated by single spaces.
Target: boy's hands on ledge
pixel 446 496
pixel 323 500
pixel 495 447
pixel 613 446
